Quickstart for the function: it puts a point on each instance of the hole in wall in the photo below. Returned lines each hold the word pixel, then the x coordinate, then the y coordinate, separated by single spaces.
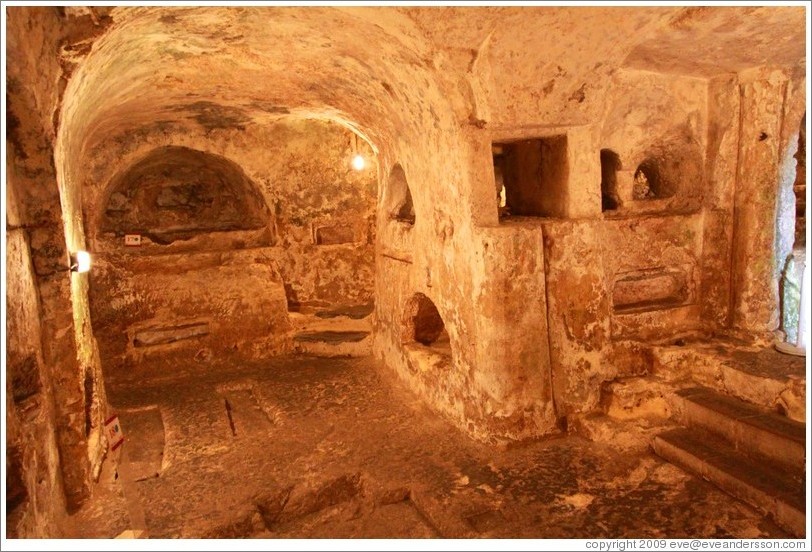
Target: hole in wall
pixel 670 168
pixel 650 183
pixel 336 234
pixel 610 164
pixel 531 176
pixel 400 204
pixel 176 193
pixel 650 289
pixel 428 324
pixel 424 325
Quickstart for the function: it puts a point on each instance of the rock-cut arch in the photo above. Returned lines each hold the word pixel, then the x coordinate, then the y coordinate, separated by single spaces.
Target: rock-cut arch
pixel 176 192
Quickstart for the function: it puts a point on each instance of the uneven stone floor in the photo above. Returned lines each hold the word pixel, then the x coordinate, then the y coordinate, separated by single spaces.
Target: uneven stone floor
pixel 334 448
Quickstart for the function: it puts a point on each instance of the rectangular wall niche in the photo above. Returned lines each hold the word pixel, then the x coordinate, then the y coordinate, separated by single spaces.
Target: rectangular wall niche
pixel 651 289
pixel 336 234
pixel 533 174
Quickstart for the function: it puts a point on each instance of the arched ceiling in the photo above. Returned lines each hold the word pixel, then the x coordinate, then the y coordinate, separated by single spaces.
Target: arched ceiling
pixel 224 66
pixel 394 73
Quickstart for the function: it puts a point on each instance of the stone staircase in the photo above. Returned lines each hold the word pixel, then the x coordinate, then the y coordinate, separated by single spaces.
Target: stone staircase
pixel 343 331
pixel 753 454
pixel 727 414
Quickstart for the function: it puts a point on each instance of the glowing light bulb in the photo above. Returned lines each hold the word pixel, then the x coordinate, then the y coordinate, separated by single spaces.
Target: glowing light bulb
pixel 81 262
pixel 358 162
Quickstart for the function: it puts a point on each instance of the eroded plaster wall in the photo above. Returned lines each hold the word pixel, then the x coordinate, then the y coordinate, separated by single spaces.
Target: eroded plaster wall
pixel 652 247
pixel 629 274
pixel 396 92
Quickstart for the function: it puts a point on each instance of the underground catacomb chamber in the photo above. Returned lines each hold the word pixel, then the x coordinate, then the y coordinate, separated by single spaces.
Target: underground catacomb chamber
pixel 550 263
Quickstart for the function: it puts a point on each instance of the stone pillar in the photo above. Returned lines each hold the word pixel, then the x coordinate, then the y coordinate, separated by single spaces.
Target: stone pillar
pixel 755 293
pixel 583 187
pixel 36 81
pixel 721 171
pixel 40 214
pixel 578 307
pixel 35 501
pixel 61 356
pixel 513 361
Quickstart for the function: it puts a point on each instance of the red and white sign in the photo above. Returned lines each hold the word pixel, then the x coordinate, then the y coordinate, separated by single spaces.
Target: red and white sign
pixel 114 434
pixel 132 240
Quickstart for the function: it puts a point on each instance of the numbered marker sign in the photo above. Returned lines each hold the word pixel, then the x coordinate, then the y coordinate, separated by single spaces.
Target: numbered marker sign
pixel 132 239
pixel 114 434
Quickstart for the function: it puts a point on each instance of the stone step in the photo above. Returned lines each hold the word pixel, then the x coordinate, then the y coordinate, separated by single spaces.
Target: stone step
pixel 318 322
pixel 356 312
pixel 633 435
pixel 763 485
pixel 758 375
pixel 748 428
pixel 636 397
pixel 333 343
pixel 330 337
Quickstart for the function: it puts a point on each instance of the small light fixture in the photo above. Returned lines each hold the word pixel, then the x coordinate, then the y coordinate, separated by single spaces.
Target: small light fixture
pixel 80 262
pixel 358 162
